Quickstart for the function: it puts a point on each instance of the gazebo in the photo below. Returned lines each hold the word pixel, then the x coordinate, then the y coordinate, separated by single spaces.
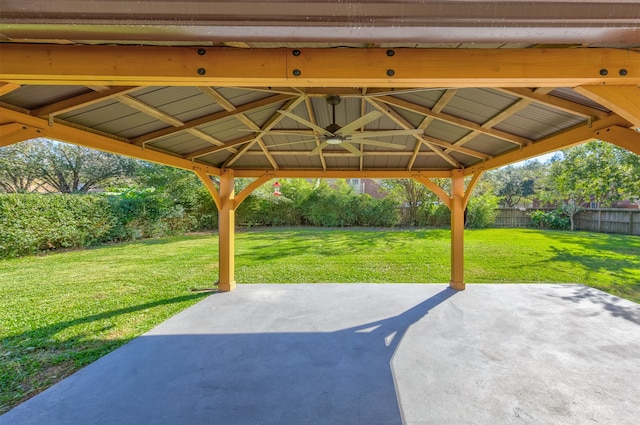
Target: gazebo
pixel 323 89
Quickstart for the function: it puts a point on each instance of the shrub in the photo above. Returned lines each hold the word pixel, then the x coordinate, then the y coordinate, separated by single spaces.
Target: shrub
pixel 30 222
pixel 261 209
pixel 555 219
pixel 436 215
pixel 481 211
pixel 371 212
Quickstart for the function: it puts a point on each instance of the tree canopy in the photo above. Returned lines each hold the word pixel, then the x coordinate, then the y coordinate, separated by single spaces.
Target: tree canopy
pixel 59 167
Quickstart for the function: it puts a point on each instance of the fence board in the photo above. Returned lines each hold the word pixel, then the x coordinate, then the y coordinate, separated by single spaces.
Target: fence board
pixel 606 220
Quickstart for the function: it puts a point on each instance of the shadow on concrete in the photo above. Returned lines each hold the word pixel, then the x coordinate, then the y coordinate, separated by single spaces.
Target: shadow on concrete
pixel 341 377
pixel 610 303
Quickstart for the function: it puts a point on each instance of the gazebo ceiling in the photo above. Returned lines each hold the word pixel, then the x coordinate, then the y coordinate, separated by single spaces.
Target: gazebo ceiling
pixel 442 86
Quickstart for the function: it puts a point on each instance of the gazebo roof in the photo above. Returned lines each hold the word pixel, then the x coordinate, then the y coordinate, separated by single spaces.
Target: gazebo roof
pixel 235 84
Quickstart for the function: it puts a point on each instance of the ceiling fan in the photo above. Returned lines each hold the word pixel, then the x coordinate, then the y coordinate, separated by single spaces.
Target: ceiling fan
pixel 344 136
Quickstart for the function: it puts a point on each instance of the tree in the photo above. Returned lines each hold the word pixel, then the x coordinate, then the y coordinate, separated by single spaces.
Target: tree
pixel 410 193
pixel 76 169
pixel 19 167
pixel 594 172
pixel 597 172
pixel 60 167
pixel 514 183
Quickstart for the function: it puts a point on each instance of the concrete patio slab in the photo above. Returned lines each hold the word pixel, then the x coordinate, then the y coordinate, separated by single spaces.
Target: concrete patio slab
pixel 367 354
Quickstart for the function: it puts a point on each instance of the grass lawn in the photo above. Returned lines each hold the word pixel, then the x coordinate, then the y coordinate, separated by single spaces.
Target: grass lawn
pixel 61 311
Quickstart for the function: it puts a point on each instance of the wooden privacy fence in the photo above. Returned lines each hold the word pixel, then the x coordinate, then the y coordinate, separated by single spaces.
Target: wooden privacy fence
pixel 607 220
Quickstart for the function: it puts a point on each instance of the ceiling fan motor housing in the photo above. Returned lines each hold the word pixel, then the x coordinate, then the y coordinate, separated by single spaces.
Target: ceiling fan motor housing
pixel 333 99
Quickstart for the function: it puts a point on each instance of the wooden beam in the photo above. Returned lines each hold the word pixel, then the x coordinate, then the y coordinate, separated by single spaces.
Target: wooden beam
pixel 14 132
pixel 562 140
pixel 211 188
pixel 204 136
pixel 457 231
pixel 250 188
pixel 501 116
pixel 8 88
pixel 439 192
pixel 226 232
pixel 623 137
pixel 214 66
pixel 469 189
pixel 623 100
pixel 344 174
pixel 80 137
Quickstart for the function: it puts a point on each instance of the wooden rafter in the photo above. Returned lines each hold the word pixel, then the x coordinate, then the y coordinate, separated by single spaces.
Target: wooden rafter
pixel 511 110
pixel 266 153
pixel 444 100
pixel 457 121
pixel 82 137
pixel 312 119
pixel 406 125
pixel 226 146
pixel 554 102
pixel 247 107
pixel 149 110
pixel 345 154
pixel 271 122
pixel 565 139
pixel 81 101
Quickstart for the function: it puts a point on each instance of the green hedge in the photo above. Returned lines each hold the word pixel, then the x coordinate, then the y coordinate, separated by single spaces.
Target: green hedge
pixel 32 223
pixel 555 220
pixel 321 206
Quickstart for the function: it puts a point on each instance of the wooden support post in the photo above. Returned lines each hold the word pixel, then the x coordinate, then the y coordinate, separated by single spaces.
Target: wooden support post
pixel 226 228
pixel 457 231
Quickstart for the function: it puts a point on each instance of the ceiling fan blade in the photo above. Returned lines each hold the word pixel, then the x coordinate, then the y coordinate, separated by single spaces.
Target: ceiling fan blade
pixel 348 146
pixel 290 143
pixel 377 143
pixel 308 133
pixel 387 133
pixel 405 91
pixel 319 148
pixel 359 123
pixel 303 121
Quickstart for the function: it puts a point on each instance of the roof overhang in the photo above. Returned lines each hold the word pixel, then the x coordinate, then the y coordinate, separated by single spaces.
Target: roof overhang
pixel 396 21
